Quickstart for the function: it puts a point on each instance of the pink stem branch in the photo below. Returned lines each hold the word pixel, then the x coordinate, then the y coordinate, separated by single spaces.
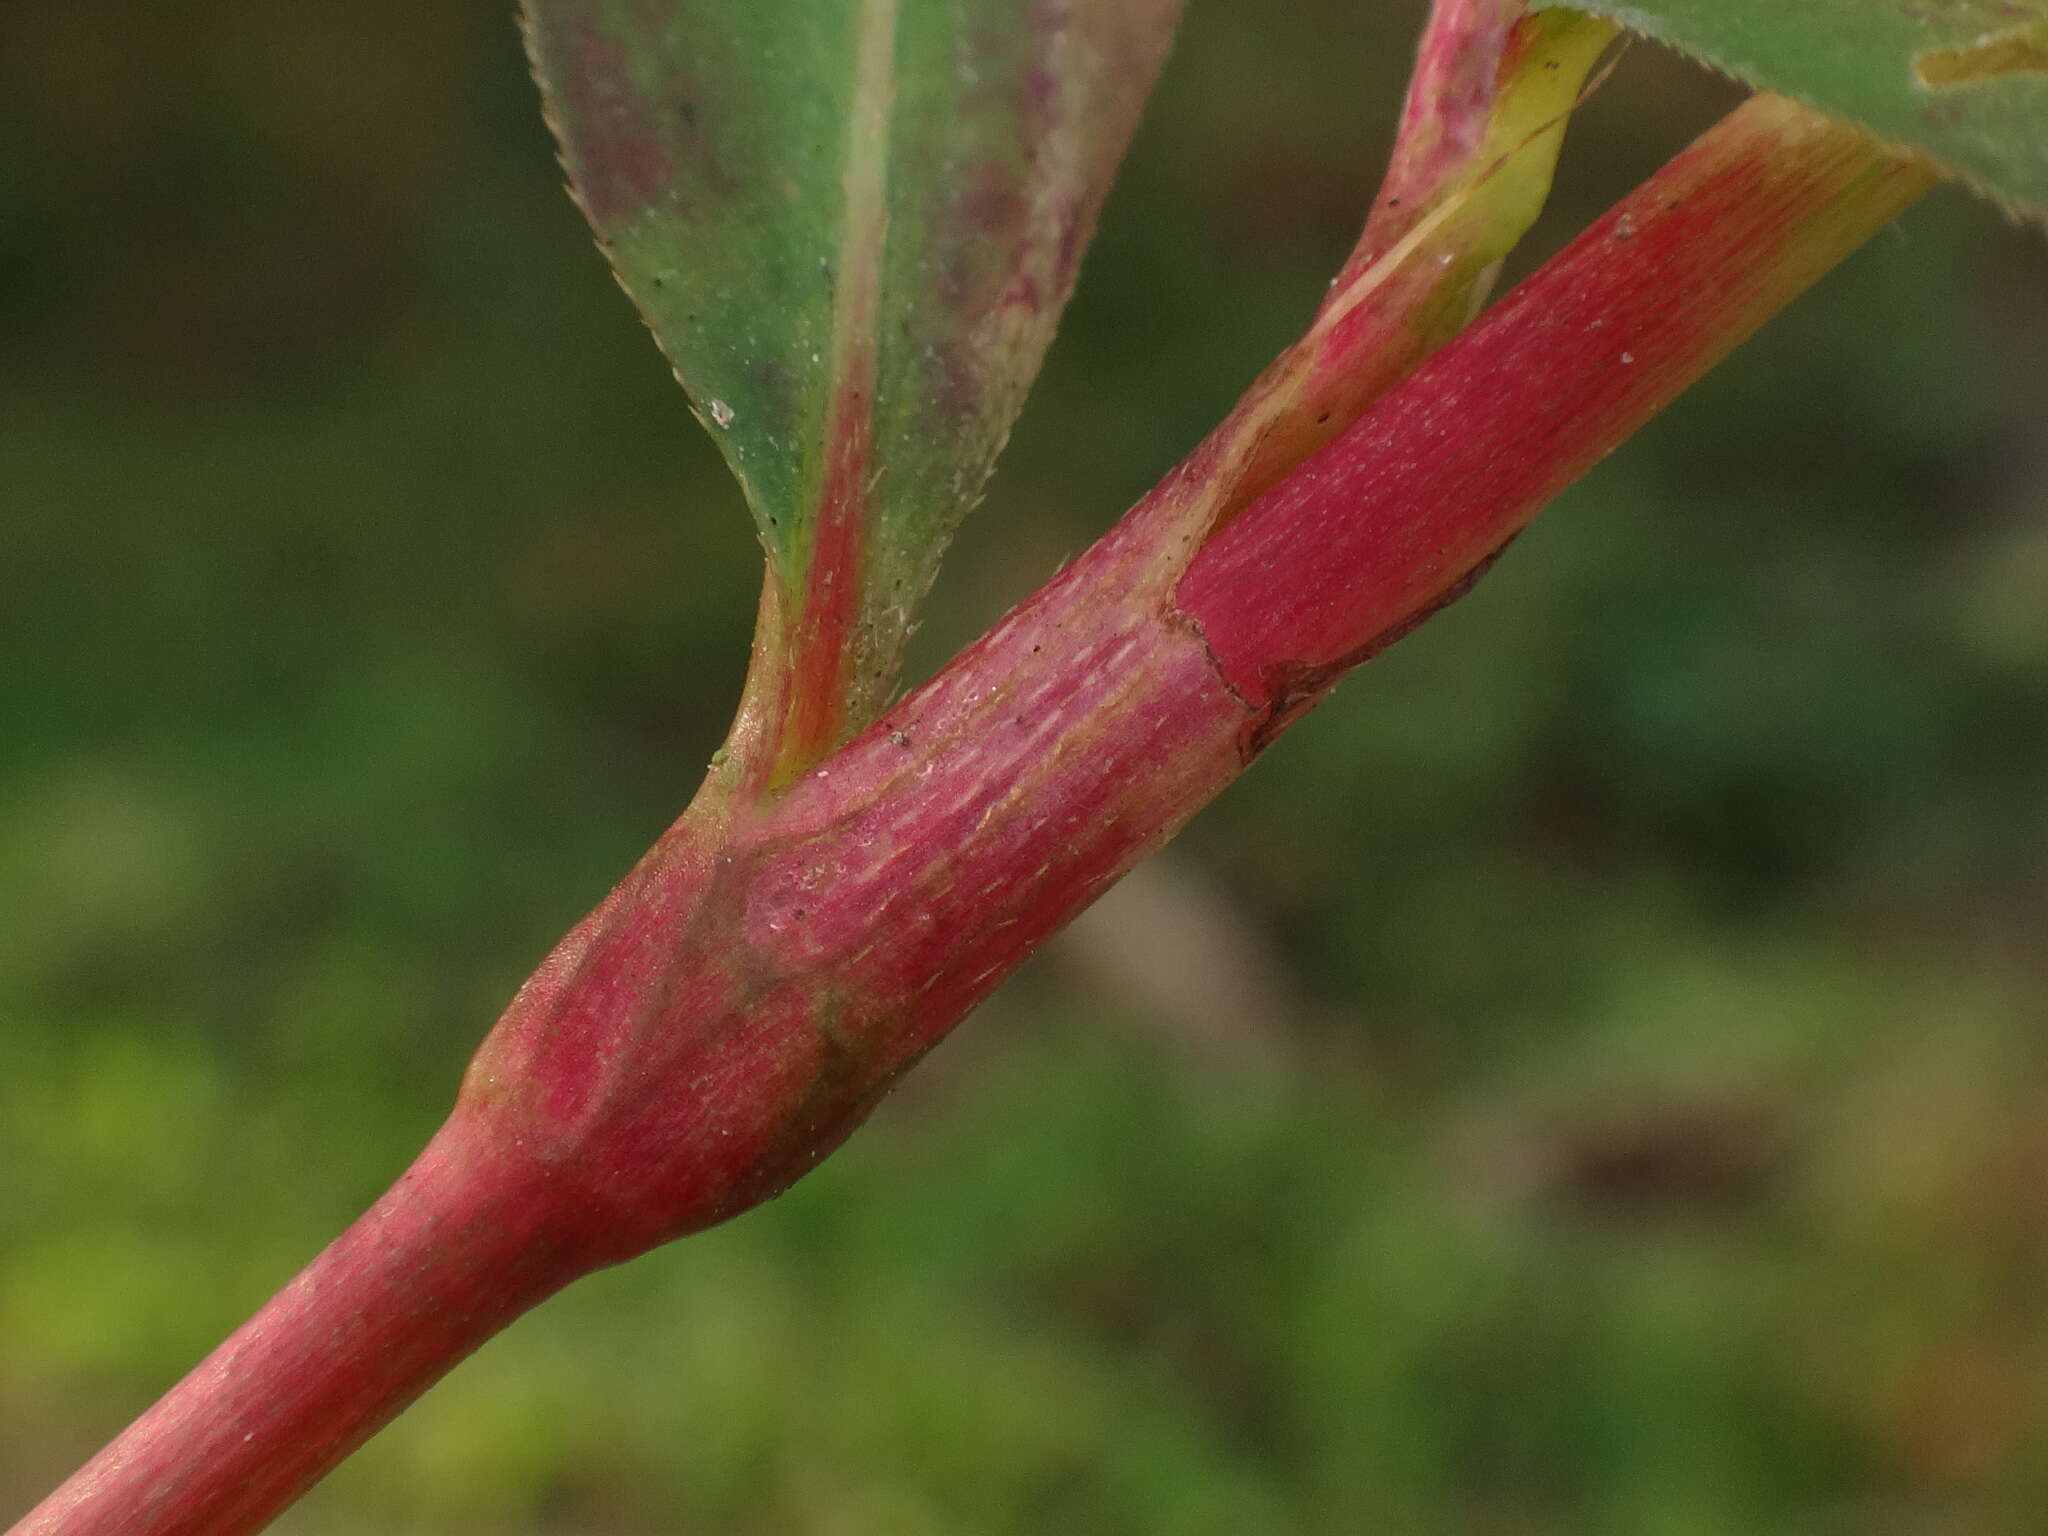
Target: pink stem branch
pixel 1387 522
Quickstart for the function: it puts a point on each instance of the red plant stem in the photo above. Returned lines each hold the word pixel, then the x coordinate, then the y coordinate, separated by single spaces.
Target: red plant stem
pixel 1381 526
pixel 453 1252
pixel 732 1010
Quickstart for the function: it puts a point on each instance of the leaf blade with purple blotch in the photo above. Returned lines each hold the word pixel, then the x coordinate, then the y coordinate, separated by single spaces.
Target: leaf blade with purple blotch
pixel 851 225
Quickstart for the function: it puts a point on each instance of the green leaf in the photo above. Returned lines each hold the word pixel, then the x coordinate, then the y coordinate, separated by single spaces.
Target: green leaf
pixel 1964 82
pixel 851 225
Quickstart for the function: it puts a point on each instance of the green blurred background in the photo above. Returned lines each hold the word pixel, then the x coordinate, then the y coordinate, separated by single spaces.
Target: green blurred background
pixel 1589 1079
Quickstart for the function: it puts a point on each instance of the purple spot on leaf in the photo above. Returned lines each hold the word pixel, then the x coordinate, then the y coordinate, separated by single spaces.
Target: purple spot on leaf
pixel 615 151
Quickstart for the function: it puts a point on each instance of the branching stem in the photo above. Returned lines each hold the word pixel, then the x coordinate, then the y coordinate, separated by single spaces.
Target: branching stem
pixel 730 1012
